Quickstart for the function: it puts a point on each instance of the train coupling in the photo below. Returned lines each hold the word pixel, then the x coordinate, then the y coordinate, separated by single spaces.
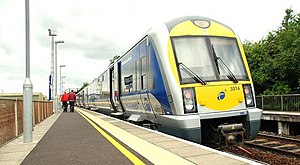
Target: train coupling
pixel 233 133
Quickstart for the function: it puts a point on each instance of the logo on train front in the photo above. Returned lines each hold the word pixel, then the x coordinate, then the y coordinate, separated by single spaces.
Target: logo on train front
pixel 221 96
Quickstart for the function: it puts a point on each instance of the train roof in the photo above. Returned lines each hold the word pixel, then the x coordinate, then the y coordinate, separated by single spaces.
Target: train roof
pixel 170 24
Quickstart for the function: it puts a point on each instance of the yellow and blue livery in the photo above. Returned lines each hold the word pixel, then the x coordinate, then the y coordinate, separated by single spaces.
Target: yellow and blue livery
pixel 188 77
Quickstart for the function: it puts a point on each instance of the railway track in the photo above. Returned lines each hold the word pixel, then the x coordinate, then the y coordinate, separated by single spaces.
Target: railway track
pixel 276 144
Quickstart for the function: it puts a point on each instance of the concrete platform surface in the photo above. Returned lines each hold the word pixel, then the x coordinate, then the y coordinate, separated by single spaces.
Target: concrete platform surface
pixel 90 147
pixel 15 151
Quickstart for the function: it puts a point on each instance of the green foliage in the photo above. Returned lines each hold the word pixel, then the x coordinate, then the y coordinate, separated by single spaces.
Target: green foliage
pixel 112 60
pixel 84 85
pixel 278 89
pixel 273 61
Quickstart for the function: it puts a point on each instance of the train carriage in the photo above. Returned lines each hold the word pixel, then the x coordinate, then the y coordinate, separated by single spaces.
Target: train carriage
pixel 79 98
pixel 188 77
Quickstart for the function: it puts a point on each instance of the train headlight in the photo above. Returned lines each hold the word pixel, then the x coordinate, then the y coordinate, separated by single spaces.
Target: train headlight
pixel 187 94
pixel 248 95
pixel 202 23
pixel 189 100
pixel 189 105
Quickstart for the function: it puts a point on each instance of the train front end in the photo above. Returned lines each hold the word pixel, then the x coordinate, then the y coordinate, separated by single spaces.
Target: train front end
pixel 211 93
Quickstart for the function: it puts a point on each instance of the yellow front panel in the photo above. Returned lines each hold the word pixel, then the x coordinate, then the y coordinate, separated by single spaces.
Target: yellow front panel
pixel 209 96
pixel 189 28
pixel 219 98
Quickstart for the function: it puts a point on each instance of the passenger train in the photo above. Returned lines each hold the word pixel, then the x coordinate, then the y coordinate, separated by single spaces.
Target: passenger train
pixel 187 77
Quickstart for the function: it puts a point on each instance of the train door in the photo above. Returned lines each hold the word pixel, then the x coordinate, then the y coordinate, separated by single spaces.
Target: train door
pixel 114 88
pixel 144 77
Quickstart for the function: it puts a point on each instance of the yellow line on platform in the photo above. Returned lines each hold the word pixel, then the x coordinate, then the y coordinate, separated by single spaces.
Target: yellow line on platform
pixel 148 150
pixel 128 154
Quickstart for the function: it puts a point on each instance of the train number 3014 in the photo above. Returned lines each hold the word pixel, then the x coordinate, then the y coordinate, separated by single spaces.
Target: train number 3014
pixel 234 88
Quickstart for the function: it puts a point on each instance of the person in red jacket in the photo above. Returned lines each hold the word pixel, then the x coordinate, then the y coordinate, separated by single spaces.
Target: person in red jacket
pixel 64 99
pixel 72 99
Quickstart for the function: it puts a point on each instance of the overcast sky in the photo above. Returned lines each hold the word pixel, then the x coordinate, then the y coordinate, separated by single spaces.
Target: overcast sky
pixel 96 30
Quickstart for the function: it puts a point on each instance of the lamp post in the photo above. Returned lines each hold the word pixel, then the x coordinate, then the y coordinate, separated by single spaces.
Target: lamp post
pixel 52 34
pixel 55 76
pixel 27 86
pixel 60 83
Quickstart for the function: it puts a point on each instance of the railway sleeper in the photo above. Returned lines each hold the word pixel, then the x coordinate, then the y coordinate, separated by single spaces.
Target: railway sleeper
pixel 296 150
pixel 287 146
pixel 258 141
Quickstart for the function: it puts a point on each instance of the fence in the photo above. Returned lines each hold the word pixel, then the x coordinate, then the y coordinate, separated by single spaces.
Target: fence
pixel 11 117
pixel 279 102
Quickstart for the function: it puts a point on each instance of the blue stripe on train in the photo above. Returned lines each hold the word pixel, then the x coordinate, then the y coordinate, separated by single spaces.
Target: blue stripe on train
pixel 159 90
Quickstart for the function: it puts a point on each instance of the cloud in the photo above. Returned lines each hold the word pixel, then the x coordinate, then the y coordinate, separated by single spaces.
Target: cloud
pixel 96 30
pixel 92 46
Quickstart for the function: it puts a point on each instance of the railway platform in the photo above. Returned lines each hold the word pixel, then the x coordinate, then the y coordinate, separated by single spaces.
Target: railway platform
pixel 281 122
pixel 86 137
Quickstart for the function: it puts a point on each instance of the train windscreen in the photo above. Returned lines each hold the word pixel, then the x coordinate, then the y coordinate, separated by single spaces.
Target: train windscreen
pixel 209 58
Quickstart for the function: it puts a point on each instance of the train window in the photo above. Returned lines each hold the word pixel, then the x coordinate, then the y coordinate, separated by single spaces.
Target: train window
pixel 128 82
pixel 104 86
pixel 137 73
pixel 227 50
pixel 208 51
pixel 129 72
pixel 187 49
pixel 128 79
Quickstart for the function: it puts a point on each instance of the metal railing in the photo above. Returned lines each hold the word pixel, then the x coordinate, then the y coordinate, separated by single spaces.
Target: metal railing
pixel 290 102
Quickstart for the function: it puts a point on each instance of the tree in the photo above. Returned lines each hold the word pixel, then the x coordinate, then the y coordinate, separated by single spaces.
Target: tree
pixel 274 61
pixel 112 60
pixel 84 85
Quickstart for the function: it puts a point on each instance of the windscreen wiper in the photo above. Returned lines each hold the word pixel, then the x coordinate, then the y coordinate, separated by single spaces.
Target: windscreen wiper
pixel 216 59
pixel 229 74
pixel 192 74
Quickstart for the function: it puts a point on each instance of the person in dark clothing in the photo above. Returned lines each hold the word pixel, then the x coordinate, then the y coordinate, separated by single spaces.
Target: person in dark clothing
pixel 64 99
pixel 72 99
